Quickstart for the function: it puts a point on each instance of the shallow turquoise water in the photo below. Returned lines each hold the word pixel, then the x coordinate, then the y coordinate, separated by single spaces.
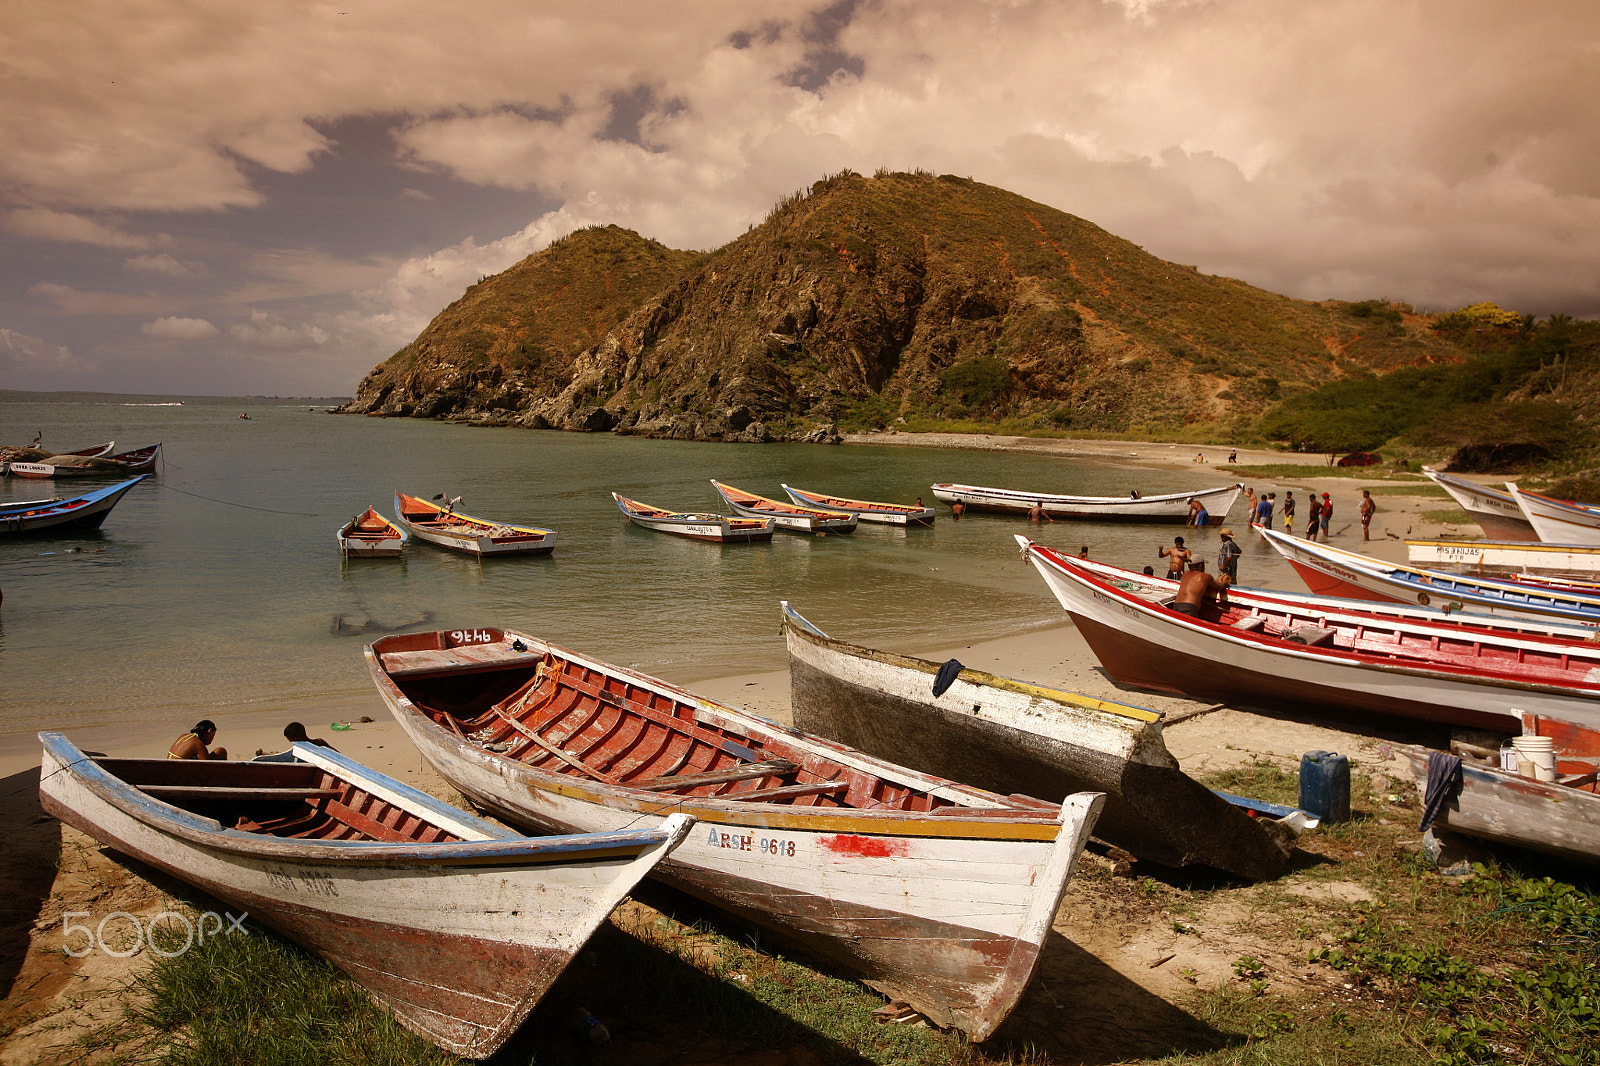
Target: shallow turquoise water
pixel 217 586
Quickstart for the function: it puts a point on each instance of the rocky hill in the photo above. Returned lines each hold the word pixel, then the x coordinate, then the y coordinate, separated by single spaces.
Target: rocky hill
pixel 864 300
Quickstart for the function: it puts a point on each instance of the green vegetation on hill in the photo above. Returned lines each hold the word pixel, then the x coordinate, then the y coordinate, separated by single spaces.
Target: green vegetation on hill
pixel 1525 397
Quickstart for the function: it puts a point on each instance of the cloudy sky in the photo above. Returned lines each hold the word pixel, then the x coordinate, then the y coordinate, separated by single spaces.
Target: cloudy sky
pixel 272 197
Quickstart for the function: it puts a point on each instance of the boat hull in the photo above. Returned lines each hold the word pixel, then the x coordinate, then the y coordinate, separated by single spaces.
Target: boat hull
pixel 1506 558
pixel 1151 647
pixel 371 536
pixel 469 535
pixel 707 527
pixel 1169 508
pixel 887 514
pixel 889 897
pixel 1507 808
pixel 1496 512
pixel 1331 571
pixel 447 941
pixel 1013 738
pixel 1557 521
pixel 77 513
pixel 794 518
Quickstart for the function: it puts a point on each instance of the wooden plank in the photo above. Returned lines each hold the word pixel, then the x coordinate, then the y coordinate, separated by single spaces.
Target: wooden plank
pixel 787 791
pixel 566 757
pixel 742 772
pixel 231 792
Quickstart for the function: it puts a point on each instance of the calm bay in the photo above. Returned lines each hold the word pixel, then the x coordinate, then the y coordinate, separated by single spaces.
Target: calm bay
pixel 216 588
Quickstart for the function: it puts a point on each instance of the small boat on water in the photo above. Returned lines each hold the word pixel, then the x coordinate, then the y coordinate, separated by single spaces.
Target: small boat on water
pixel 369 535
pixel 890 514
pixel 1249 652
pixel 1330 571
pixel 1496 512
pixel 789 516
pixel 456 924
pixel 76 512
pixel 1558 521
pixel 138 461
pixel 1013 737
pixel 447 528
pixel 696 525
pixel 936 893
pixel 1559 817
pixel 1506 558
pixel 1171 507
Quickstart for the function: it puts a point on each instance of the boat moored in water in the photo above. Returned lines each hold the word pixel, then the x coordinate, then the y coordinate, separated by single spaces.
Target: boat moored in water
pixel 1170 507
pixel 447 528
pixel 369 535
pixel 87 511
pixel 890 514
pixel 696 525
pixel 789 516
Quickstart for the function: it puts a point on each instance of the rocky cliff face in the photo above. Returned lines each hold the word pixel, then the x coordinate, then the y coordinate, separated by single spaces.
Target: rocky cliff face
pixel 861 301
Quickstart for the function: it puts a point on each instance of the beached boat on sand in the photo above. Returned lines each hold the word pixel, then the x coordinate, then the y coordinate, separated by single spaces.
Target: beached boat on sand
pixel 1496 512
pixel 1492 558
pixel 369 535
pixel 1308 604
pixel 447 528
pixel 933 892
pixel 1171 507
pixel 723 529
pixel 1558 521
pixel 789 516
pixel 77 512
pixel 1013 737
pixel 1560 817
pixel 1330 571
pixel 889 514
pixel 1252 654
pixel 455 923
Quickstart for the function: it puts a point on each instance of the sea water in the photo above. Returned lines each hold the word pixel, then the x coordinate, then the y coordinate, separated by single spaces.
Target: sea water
pixel 217 585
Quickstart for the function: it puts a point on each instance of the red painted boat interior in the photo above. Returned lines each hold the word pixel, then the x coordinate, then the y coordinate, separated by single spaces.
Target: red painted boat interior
pixel 564 717
pixel 290 800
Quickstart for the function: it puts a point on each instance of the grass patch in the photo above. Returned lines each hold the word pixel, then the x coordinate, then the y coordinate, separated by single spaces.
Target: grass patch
pixel 1311 1033
pixel 1260 780
pixel 1453 516
pixel 1428 490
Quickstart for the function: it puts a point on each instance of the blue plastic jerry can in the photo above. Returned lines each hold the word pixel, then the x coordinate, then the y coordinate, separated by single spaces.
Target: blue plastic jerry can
pixel 1325 786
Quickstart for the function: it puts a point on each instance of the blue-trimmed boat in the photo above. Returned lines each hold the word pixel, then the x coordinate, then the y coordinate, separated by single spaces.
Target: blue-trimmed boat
pixel 76 512
pixel 457 924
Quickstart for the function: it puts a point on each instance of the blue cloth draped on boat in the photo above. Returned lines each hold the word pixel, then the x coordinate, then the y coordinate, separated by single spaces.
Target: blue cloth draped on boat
pixel 1444 785
pixel 946 676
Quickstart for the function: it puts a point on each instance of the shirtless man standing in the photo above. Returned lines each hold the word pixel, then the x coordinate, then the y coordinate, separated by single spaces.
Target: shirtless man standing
pixel 1194 588
pixel 1177 558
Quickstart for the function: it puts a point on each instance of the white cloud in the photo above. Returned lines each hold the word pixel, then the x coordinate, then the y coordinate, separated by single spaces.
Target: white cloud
pixel 161 263
pixel 174 328
pixel 41 223
pixel 24 356
pixel 268 331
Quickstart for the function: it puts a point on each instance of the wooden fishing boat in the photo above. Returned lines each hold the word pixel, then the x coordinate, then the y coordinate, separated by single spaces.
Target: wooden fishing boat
pixel 1160 589
pixel 36 456
pixel 889 514
pixel 1013 737
pixel 76 512
pixel 369 535
pixel 788 515
pixel 1252 654
pixel 933 892
pixel 1560 817
pixel 456 924
pixel 138 461
pixel 1558 521
pixel 1496 512
pixel 446 528
pixel 1503 558
pixel 1329 571
pixel 696 526
pixel 1172 507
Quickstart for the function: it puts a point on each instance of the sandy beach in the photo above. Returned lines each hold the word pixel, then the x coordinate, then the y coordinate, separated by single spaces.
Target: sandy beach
pixel 53 998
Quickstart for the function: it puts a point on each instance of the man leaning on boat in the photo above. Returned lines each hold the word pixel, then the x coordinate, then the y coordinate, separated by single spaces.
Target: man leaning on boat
pixel 1194 587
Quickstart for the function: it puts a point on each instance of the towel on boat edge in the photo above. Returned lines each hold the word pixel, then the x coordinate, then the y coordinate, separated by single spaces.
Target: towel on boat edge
pixel 1444 785
pixel 946 676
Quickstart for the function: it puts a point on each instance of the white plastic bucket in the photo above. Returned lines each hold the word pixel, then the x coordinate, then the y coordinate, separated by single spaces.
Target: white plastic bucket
pixel 1540 756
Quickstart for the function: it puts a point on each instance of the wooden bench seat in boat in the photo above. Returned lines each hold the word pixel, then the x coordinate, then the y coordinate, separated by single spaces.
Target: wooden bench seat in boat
pixel 228 792
pixel 467 659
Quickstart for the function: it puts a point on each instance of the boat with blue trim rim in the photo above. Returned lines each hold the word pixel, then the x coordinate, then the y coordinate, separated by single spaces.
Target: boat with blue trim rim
pixel 1558 521
pixel 1330 571
pixel 456 924
pixel 76 512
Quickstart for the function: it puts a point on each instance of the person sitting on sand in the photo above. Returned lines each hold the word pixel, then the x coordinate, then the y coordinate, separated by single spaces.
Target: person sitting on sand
pixel 1194 587
pixel 294 731
pixel 195 743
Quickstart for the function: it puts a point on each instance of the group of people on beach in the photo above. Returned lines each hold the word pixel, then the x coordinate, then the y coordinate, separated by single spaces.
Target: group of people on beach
pixel 196 743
